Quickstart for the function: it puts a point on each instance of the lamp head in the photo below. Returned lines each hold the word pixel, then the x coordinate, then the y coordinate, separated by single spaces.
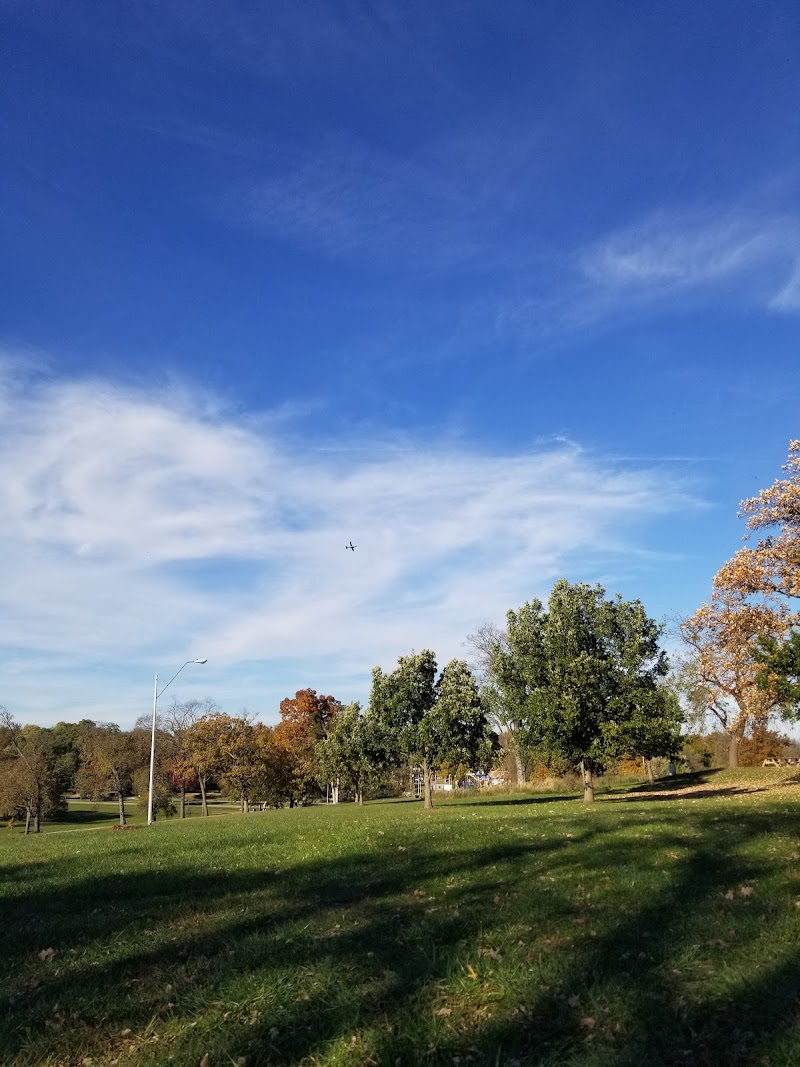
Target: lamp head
pixel 199 661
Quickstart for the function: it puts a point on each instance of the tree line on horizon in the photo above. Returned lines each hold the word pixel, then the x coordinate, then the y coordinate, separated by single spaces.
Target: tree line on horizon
pixel 579 683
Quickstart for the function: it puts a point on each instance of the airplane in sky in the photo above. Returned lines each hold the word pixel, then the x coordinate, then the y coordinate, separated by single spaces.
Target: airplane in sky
pixel 351 546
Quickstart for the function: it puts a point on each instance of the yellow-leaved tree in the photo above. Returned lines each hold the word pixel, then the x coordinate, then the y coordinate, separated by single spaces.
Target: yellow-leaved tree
pixel 753 601
pixel 721 675
pixel 771 568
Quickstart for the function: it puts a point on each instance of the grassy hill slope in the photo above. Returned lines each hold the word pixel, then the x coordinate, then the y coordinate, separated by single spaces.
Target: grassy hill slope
pixel 659 927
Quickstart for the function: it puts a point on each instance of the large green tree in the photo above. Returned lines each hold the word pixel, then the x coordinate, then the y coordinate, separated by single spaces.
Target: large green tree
pixel 430 723
pixel 66 746
pixel 354 752
pixel 580 674
pixel 653 725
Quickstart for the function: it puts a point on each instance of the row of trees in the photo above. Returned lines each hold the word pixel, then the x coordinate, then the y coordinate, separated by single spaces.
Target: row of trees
pixel 198 747
pixel 743 662
pixel 577 683
pixel 318 744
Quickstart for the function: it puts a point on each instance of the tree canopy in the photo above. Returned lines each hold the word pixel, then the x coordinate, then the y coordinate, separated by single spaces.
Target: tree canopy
pixel 582 677
pixel 429 723
pixel 306 719
pixel 771 567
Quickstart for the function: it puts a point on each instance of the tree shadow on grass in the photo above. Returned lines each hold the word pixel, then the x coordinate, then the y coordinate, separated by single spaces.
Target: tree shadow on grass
pixel 581 1021
pixel 510 801
pixel 81 818
pixel 369 956
pixel 691 794
pixel 677 781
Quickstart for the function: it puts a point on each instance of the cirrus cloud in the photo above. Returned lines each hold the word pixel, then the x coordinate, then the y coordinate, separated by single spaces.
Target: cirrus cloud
pixel 138 527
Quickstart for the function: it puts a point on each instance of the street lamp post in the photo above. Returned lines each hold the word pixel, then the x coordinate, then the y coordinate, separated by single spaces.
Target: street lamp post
pixel 156 695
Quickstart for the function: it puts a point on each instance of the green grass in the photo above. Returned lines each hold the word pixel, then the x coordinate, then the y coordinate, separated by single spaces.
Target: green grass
pixel 660 928
pixel 96 814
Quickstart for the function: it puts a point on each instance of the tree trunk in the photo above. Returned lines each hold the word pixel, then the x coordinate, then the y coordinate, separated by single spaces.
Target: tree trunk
pixel 359 797
pixel 426 786
pixel 201 778
pixel 519 765
pixel 122 808
pixel 183 799
pixel 37 820
pixel 733 751
pixel 27 818
pixel 335 792
pixel 648 770
pixel 588 783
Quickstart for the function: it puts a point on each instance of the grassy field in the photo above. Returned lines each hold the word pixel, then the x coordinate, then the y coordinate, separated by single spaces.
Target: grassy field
pixel 95 814
pixel 659 927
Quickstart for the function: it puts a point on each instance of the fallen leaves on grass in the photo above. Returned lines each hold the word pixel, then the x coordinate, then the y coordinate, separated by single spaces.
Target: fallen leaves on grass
pixel 471 972
pixel 47 954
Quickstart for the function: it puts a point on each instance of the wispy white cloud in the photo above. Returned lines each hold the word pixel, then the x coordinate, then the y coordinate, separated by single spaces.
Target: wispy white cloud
pixel 788 298
pixel 439 208
pixel 136 527
pixel 664 261
pixel 666 255
pixel 450 213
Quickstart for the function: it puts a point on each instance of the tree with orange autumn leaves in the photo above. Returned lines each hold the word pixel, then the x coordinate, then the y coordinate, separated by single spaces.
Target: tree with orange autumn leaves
pixel 305 719
pixel 752 607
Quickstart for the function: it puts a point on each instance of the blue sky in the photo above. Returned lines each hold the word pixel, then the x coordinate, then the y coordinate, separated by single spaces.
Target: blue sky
pixel 504 293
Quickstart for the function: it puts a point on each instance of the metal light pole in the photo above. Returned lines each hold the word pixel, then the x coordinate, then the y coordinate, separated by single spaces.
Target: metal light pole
pixel 156 695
